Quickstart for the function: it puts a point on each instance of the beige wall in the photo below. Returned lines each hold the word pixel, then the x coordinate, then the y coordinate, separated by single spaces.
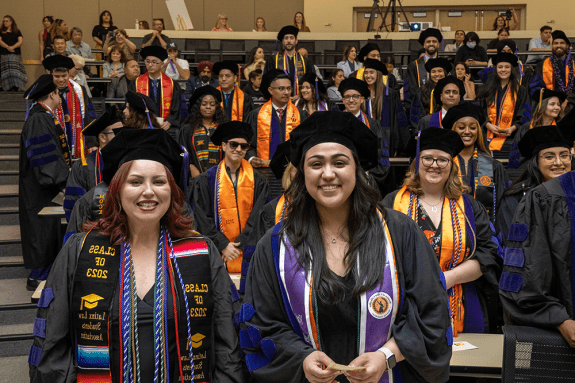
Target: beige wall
pixel 340 14
pixel 84 14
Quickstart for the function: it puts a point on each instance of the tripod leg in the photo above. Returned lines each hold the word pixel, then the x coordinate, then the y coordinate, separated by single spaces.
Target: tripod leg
pixel 385 16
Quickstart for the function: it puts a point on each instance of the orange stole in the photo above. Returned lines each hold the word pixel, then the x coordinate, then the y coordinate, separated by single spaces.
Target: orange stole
pixel 503 120
pixel 450 246
pixel 548 74
pixel 167 89
pixel 280 208
pixel 237 103
pixel 264 131
pixel 232 207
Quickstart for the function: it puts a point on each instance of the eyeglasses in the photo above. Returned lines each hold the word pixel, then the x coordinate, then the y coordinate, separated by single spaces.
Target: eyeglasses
pixel 551 158
pixel 152 62
pixel 428 162
pixel 354 97
pixel 283 88
pixel 234 145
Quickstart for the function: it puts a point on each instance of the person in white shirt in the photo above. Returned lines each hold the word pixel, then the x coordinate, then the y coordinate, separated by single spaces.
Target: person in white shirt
pixel 457 41
pixel 541 43
pixel 77 73
pixel 174 67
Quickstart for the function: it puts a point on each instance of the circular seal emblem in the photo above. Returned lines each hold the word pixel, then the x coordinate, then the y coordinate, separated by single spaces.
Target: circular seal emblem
pixel 506 120
pixel 380 305
pixel 485 181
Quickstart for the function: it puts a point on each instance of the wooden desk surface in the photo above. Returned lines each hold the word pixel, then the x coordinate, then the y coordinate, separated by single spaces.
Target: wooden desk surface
pixel 483 362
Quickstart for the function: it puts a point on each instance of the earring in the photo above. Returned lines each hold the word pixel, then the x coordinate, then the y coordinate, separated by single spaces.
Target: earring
pixel 119 206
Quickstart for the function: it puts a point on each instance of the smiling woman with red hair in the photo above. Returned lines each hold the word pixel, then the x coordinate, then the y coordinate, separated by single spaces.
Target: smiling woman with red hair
pixel 122 299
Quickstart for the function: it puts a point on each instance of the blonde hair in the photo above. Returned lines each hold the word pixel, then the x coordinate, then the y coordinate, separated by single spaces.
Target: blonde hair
pixel 78 59
pixel 453 188
pixel 218 20
pixel 286 178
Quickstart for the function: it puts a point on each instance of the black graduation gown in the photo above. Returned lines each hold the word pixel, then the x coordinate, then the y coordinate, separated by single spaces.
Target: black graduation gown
pixel 174 118
pixel 419 329
pixel 521 115
pixel 201 201
pixel 57 363
pixel 544 298
pixel 489 192
pixel 271 64
pixel 43 172
pixel 252 119
pixel 185 138
pixel 248 105
pixel 505 213
pixel 382 170
pixel 414 80
pixel 81 179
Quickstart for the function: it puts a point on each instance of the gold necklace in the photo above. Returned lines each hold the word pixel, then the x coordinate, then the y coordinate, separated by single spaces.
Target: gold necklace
pixel 433 207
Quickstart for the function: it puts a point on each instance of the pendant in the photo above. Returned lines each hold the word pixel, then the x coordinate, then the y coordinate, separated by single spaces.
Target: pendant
pixel 434 209
pixel 333 241
pixel 66 118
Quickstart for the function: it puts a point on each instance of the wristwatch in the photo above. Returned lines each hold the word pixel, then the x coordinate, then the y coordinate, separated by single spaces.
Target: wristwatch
pixel 389 357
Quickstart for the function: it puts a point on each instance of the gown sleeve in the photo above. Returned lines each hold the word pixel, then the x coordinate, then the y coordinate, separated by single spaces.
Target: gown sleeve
pixel 529 292
pixel 80 214
pixel 270 318
pixel 252 120
pixel 505 215
pixel 201 202
pixel 421 327
pixel 174 117
pixel 261 196
pixel 522 108
pixel 248 105
pixel 75 188
pixel 228 363
pixel 51 357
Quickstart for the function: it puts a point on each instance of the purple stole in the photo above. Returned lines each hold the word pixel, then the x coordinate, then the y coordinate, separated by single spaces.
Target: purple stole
pixel 379 307
pixel 435 121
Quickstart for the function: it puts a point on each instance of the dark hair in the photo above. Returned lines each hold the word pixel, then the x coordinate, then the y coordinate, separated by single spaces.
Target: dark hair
pixel 426 90
pixel 76 29
pixel 159 19
pixel 366 236
pixel 55 30
pixel 492 85
pixel 51 19
pixel 545 28
pixel 58 37
pixel 530 178
pixel 138 119
pixel 14 26
pixel 472 36
pixel 377 101
pixel 459 30
pixel 331 81
pixel 467 70
pixel 196 117
pixel 302 103
pixel 303 25
pixel 114 221
pixel 145 24
pixel 348 49
pixel 102 18
pixel 251 57
pixel 495 22
pixel 503 30
pixel 253 75
pixel 388 59
pixel 282 76
pixel 113 49
pixel 42 98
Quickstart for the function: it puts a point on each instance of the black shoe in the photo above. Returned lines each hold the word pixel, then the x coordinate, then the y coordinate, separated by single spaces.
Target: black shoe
pixel 32 284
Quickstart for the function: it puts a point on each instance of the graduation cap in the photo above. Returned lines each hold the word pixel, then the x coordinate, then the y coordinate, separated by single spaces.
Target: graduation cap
pixel 197 340
pixel 141 102
pixel 230 130
pixel 226 64
pixel 43 86
pixel 375 64
pixel 90 301
pixel 142 144
pixel 314 82
pixel 558 34
pixel 57 62
pixel 567 126
pixel 438 63
pixel 506 43
pixel 441 84
pixel 155 51
pixel 505 57
pixel 364 51
pixel 466 109
pixel 430 32
pixel 287 30
pixel 445 140
pixel 109 117
pixel 339 127
pixel 541 138
pixel 280 159
pixel 203 91
pixel 545 93
pixel 355 84
pixel 267 79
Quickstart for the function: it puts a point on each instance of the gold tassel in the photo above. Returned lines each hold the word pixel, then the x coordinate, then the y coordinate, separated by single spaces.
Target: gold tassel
pixel 83 150
pixel 540 98
pixel 431 102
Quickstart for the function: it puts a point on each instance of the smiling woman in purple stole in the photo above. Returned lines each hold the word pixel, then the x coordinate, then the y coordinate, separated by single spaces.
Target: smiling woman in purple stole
pixel 342 279
pixel 141 297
